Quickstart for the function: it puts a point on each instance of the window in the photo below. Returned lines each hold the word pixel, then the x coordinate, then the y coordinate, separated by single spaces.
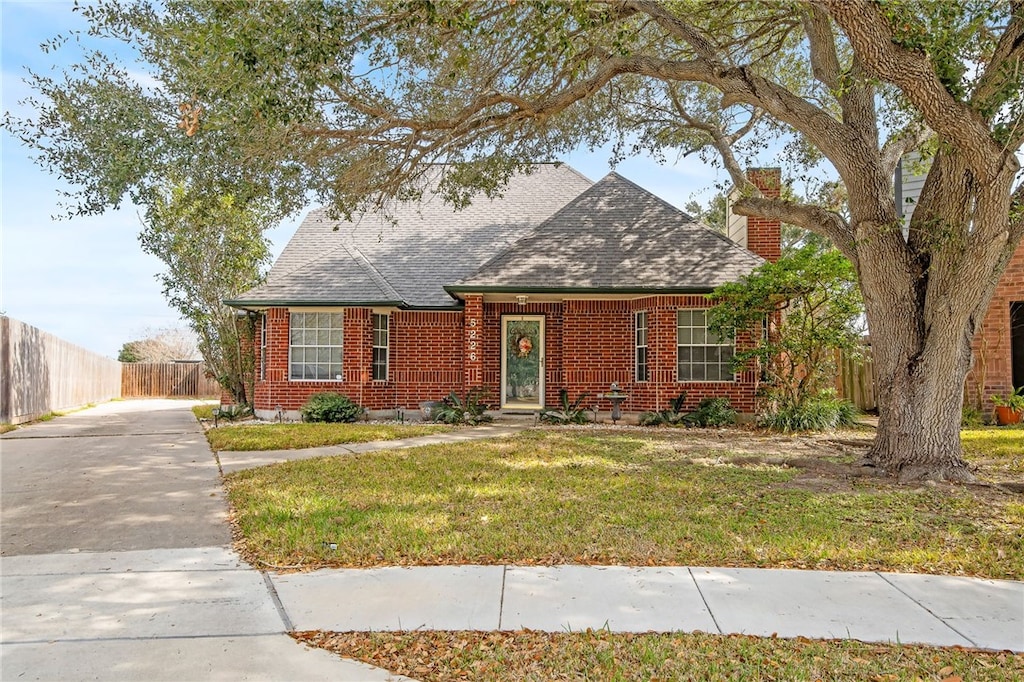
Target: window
pixel 701 356
pixel 263 347
pixel 641 346
pixel 315 346
pixel 379 366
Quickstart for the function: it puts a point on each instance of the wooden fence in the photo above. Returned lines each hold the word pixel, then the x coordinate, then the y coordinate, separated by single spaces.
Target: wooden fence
pixel 856 379
pixel 167 380
pixel 42 373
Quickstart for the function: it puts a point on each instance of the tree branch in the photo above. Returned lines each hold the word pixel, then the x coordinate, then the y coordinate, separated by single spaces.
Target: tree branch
pixel 824 60
pixel 741 84
pixel 910 70
pixel 1009 51
pixel 814 218
pixel 675 26
pixel 900 144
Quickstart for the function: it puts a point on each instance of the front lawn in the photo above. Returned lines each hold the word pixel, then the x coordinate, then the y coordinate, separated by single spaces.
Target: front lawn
pixel 528 655
pixel 703 498
pixel 296 436
pixel 999 449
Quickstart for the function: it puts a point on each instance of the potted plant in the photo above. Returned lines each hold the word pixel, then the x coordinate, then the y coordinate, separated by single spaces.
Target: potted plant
pixel 1009 408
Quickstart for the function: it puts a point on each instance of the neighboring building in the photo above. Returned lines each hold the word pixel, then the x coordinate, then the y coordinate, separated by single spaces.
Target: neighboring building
pixel 999 343
pixel 559 283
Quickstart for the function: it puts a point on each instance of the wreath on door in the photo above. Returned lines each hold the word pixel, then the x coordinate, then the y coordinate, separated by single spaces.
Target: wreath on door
pixel 524 346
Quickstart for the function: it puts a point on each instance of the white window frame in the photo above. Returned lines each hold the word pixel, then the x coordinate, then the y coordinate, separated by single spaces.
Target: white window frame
pixel 641 343
pixel 310 339
pixel 378 346
pixel 698 340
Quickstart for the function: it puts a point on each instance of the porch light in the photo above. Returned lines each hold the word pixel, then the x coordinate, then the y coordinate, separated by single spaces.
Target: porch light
pixel 521 299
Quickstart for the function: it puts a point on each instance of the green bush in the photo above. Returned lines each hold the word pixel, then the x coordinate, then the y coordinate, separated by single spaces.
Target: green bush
pixel 672 416
pixel 816 414
pixel 470 410
pixel 571 413
pixel 711 412
pixel 228 413
pixel 972 417
pixel 331 408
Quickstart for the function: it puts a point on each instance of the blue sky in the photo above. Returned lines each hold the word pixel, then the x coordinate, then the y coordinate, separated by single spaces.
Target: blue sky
pixel 87 280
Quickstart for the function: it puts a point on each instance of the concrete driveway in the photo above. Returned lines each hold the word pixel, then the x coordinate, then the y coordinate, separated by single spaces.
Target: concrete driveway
pixel 116 561
pixel 126 475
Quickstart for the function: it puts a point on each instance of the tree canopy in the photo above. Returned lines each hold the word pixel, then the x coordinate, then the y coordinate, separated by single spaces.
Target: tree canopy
pixel 350 101
pixel 212 250
pixel 162 345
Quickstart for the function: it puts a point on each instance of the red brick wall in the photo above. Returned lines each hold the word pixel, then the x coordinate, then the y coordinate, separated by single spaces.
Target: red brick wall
pixel 764 236
pixel 473 323
pixel 992 354
pixel 588 345
pixel 425 361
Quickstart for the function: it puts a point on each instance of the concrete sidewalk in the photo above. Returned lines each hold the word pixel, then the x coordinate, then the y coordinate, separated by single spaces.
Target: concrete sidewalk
pixel 172 614
pixel 873 607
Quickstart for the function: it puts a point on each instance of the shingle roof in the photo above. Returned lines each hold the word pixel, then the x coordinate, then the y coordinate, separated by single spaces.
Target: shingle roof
pixel 615 236
pixel 430 245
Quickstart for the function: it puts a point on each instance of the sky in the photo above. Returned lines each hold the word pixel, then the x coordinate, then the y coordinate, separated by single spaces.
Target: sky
pixel 86 280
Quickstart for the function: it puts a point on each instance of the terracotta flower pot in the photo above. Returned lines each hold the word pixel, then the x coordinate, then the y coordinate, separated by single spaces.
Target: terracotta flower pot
pixel 1007 415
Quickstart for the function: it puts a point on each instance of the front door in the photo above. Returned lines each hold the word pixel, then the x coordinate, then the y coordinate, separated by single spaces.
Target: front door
pixel 522 361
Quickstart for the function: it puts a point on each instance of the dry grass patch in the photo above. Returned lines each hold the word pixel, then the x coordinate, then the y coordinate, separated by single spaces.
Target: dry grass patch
pixel 529 655
pixel 622 497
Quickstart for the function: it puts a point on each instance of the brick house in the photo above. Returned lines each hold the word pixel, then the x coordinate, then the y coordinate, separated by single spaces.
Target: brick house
pixel 558 283
pixel 998 346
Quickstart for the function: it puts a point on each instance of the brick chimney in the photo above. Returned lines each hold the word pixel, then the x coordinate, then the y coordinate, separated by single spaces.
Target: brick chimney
pixel 760 235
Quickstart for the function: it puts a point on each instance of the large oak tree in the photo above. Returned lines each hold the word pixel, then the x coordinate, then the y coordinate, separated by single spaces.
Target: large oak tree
pixel 350 101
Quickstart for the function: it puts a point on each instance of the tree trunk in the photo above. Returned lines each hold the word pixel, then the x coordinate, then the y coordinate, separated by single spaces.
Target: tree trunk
pixel 925 297
pixel 920 389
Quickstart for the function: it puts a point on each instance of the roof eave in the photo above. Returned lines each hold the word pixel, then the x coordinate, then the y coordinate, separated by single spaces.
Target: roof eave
pixel 456 289
pixel 299 303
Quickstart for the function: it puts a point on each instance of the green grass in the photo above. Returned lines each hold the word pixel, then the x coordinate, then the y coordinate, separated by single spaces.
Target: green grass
pixel 998 447
pixel 579 497
pixel 204 411
pixel 297 436
pixel 530 655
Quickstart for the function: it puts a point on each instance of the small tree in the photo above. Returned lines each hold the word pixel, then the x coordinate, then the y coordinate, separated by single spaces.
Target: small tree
pixel 213 250
pixel 812 306
pixel 162 345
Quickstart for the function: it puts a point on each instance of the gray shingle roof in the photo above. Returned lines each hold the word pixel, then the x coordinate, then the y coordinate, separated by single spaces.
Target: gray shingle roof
pixel 615 236
pixel 430 245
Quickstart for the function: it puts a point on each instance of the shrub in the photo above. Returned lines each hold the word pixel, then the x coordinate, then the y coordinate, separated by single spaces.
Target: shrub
pixel 230 412
pixel 571 413
pixel 470 410
pixel 711 412
pixel 330 407
pixel 972 417
pixel 673 416
pixel 823 413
